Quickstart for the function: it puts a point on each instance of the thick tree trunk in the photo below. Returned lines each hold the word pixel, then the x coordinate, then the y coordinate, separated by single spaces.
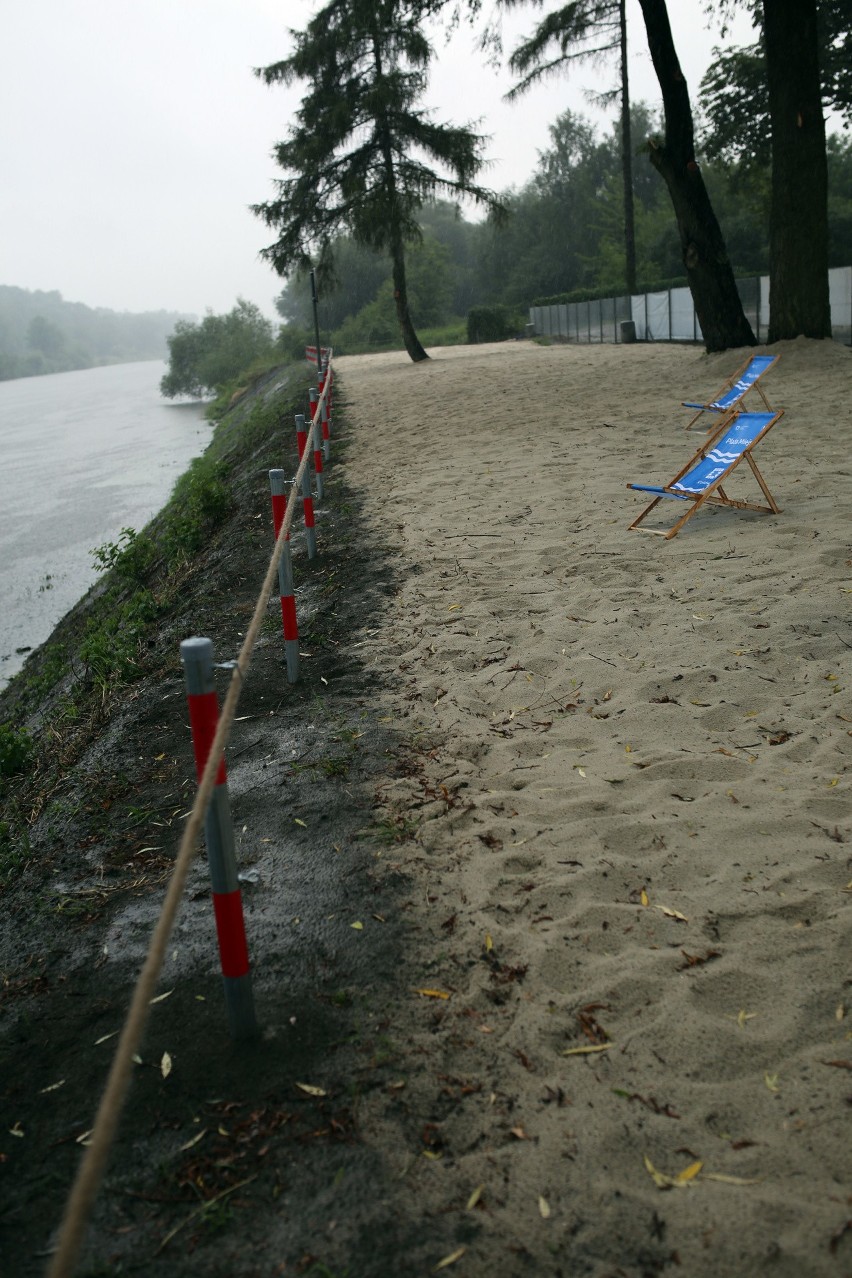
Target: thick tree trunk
pixel 798 223
pixel 705 257
pixel 400 293
pixel 627 161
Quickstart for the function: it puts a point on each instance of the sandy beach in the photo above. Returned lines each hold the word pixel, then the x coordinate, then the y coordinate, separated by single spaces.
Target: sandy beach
pixel 628 790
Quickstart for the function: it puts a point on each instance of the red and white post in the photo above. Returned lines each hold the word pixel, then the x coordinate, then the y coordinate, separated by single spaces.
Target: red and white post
pixel 197 658
pixel 285 578
pixel 326 379
pixel 307 498
pixel 316 440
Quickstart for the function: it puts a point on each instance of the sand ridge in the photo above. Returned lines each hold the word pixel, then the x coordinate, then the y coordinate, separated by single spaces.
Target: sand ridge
pixel 631 802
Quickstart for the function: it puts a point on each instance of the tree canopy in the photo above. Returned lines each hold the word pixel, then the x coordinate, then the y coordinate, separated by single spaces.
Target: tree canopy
pixel 204 357
pixel 363 156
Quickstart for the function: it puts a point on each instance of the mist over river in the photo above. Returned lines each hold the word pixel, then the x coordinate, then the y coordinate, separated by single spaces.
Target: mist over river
pixel 82 455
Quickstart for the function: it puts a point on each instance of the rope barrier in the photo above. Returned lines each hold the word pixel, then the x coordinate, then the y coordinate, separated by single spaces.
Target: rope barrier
pixel 84 1190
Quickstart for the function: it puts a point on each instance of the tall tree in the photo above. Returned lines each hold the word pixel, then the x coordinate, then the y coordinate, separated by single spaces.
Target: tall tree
pixel 708 268
pixel 798 228
pixel 581 31
pixel 352 157
pixel 804 58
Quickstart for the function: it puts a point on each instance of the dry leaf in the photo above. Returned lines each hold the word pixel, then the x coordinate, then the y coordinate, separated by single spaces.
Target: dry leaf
pixel 194 1141
pixel 519 1133
pixel 54 1087
pixel 743 1016
pixel 689 1173
pixel 587 1051
pixel 543 1208
pixel 474 1198
pixel 311 1091
pixel 673 914
pixel 732 1180
pixel 771 1081
pixel 359 927
pixel 643 897
pixel 161 998
pixel 450 1260
pixel 489 944
pixel 432 993
pixel 681 1181
pixel 165 1065
pixel 298 821
pixel 17 1130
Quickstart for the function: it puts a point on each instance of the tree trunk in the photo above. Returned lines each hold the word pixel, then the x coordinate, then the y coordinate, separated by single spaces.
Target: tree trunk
pixel 400 294
pixel 798 222
pixel 627 161
pixel 705 257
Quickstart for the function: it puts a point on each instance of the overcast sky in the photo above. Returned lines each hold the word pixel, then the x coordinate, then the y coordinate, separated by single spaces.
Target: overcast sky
pixel 133 138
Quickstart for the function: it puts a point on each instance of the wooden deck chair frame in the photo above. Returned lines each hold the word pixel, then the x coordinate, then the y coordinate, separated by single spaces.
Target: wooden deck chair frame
pixel 713 493
pixel 734 405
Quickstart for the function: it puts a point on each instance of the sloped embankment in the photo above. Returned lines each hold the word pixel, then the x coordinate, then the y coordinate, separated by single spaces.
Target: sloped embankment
pixel 228 1143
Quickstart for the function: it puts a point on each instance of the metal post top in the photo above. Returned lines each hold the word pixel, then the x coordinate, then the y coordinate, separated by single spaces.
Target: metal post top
pixel 196 650
pixel 277 481
pixel 300 419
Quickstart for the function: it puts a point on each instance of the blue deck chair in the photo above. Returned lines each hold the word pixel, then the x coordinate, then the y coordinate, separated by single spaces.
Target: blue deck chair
pixel 731 397
pixel 702 477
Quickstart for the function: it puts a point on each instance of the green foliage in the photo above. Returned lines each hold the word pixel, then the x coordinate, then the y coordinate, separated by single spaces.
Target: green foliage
pixel 42 333
pixel 199 500
pixel 111 646
pixel 203 357
pixel 359 158
pixel 131 555
pixel 493 323
pixel 16 750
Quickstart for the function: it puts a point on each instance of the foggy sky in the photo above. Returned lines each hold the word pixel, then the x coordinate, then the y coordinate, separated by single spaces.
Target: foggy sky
pixel 133 138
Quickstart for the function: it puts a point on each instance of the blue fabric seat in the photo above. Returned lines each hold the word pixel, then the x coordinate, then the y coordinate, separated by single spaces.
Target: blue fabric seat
pixel 731 397
pixel 701 479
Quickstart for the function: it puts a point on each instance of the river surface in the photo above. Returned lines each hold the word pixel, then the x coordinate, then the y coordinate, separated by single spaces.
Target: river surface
pixel 82 455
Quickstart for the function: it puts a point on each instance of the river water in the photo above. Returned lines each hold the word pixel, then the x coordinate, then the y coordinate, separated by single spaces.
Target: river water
pixel 82 455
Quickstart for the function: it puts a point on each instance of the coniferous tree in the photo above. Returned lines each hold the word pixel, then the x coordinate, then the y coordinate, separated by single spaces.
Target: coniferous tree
pixel 358 157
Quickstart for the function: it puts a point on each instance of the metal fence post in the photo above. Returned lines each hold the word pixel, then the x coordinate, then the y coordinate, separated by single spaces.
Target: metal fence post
pixel 197 657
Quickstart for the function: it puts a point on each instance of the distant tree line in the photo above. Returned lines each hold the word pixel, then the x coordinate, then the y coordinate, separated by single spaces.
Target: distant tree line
pixel 564 234
pixel 363 156
pixel 42 333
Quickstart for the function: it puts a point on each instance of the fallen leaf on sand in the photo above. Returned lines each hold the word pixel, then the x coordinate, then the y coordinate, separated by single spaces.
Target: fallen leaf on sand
pixel 450 1260
pixel 165 1065
pixel 474 1198
pixel 771 1081
pixel 587 1051
pixel 432 993
pixel 543 1208
pixel 682 1179
pixel 672 914
pixel 732 1180
pixel 311 1091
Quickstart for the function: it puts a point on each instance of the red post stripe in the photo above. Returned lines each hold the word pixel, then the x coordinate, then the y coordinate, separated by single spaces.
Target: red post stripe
pixel 318 460
pixel 230 929
pixel 301 440
pixel 203 718
pixel 288 617
pixel 309 511
pixel 279 507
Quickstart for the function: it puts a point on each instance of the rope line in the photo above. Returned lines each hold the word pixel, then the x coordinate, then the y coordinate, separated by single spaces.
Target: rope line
pixel 84 1190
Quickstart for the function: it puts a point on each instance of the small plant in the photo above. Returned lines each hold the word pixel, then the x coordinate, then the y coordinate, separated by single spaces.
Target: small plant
pixel 16 750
